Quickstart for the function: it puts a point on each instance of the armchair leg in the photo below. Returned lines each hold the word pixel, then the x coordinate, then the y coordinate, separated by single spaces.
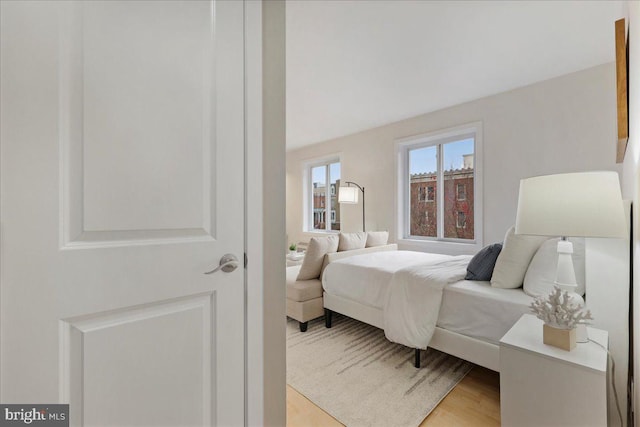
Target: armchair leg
pixel 327 317
pixel 417 358
pixel 303 326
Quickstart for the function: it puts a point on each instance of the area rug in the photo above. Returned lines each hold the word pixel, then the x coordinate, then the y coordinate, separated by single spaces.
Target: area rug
pixel 360 378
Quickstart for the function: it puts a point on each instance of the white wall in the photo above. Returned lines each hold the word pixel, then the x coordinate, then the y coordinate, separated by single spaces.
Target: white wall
pixel 631 175
pixel 564 124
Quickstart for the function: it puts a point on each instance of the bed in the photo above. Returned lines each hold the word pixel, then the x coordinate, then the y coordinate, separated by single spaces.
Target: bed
pixel 607 282
pixel 473 316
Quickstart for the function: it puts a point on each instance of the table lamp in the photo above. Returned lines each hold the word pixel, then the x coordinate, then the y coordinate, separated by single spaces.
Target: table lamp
pixel 585 204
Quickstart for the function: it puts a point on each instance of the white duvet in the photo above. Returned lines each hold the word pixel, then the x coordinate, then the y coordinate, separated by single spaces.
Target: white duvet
pixel 412 303
pixel 365 278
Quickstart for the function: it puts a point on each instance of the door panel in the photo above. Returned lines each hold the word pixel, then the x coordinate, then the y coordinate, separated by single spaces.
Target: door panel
pixel 178 362
pixel 122 182
pixel 155 62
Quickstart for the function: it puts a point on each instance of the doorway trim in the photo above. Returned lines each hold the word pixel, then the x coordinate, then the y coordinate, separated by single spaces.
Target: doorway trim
pixel 265 389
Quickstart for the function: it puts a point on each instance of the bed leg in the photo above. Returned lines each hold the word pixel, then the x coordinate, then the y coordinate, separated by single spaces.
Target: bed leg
pixel 303 326
pixel 327 317
pixel 417 358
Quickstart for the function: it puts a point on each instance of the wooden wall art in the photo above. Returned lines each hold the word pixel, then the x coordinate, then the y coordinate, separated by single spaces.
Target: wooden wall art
pixel 622 91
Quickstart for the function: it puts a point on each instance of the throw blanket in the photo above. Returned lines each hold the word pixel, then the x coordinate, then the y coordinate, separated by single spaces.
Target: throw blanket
pixel 413 300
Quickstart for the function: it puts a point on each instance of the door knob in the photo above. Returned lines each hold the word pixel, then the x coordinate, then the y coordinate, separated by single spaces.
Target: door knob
pixel 228 263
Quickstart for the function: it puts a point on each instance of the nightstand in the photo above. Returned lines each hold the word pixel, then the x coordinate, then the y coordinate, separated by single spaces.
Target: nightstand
pixel 294 258
pixel 541 385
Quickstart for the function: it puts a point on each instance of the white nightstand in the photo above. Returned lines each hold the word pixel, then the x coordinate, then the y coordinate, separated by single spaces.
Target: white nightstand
pixel 541 385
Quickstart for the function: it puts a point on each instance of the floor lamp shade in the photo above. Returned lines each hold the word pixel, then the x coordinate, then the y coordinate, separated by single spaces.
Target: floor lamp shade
pixel 348 195
pixel 586 204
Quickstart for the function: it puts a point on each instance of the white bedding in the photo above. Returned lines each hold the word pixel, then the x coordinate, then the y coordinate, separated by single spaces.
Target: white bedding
pixel 413 299
pixel 477 310
pixel 365 278
pixel 471 308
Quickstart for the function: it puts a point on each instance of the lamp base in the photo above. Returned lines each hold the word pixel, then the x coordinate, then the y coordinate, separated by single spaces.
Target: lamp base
pixel 581 334
pixel 566 280
pixel 581 330
pixel 565 274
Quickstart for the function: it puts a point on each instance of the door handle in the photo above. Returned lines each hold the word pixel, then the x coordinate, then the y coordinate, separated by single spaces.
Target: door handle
pixel 228 263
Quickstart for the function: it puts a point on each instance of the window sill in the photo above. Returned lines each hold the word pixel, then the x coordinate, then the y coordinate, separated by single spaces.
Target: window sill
pixel 321 232
pixel 440 246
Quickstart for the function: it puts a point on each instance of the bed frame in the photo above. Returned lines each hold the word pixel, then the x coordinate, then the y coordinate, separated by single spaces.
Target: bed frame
pixel 471 349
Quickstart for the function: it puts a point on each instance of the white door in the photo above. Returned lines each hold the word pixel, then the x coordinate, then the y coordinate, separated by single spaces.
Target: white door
pixel 122 182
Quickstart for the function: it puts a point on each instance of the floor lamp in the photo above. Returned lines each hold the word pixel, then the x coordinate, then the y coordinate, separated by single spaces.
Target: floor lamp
pixel 586 204
pixel 349 195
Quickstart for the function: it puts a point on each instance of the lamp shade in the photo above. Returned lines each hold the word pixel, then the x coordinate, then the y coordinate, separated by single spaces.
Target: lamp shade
pixel 348 195
pixel 586 204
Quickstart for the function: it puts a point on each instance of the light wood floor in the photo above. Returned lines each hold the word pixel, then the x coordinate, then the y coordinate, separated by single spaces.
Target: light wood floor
pixel 475 401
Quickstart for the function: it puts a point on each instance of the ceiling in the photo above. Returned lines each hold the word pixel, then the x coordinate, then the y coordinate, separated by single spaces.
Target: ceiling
pixel 355 65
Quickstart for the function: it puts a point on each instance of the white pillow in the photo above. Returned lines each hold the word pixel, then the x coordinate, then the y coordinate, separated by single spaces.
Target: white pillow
pixel 350 241
pixel 513 261
pixel 377 238
pixel 541 275
pixel 313 258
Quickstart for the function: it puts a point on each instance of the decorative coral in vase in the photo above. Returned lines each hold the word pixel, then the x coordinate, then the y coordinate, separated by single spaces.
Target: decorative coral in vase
pixel 558 311
pixel 561 316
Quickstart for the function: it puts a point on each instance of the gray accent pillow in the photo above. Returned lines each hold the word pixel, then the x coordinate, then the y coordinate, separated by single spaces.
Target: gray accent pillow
pixel 481 265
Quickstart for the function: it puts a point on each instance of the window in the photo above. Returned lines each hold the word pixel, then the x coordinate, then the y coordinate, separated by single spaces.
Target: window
pixel 442 169
pixel 431 193
pixel 422 194
pixel 461 220
pixel 426 194
pixel 321 206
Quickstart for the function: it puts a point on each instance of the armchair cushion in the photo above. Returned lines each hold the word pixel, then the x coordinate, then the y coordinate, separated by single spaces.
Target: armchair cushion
pixel 302 290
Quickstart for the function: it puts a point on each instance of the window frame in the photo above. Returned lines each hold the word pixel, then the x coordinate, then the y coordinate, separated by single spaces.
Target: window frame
pixel 307 194
pixel 403 197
